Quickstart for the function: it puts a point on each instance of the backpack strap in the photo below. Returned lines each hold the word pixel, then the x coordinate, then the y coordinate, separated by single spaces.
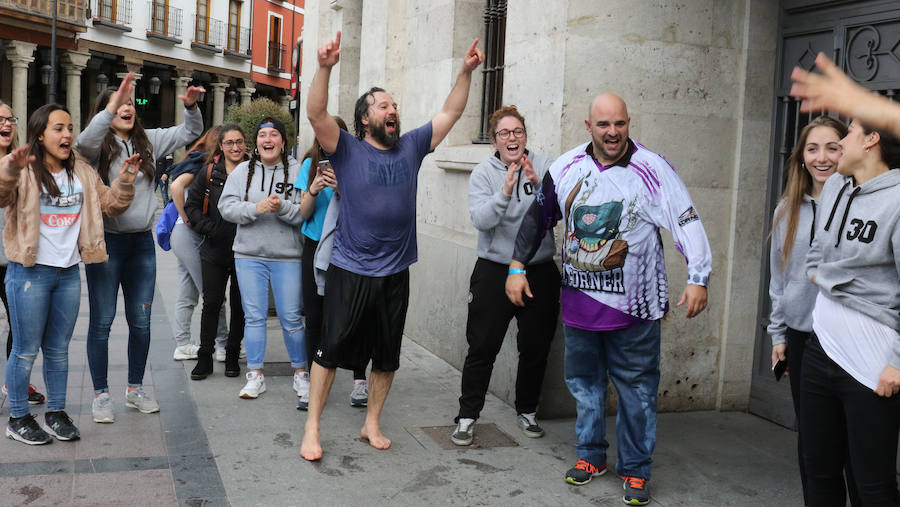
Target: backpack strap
pixel 209 169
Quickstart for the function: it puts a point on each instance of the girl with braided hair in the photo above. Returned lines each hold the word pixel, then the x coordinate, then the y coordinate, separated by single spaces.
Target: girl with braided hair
pixel 259 197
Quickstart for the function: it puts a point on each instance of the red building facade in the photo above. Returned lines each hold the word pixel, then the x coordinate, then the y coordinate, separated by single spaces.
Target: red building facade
pixel 277 26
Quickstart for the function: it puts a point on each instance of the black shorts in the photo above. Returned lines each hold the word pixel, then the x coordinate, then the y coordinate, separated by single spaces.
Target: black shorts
pixel 363 319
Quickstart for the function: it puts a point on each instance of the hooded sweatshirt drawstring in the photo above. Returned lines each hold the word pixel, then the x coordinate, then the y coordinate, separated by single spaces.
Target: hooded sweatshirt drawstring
pixel 834 208
pixel 518 180
pixel 812 225
pixel 846 212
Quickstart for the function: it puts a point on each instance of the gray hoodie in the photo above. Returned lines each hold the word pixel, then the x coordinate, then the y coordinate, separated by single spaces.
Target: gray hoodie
pixel 855 255
pixel 498 216
pixel 139 216
pixel 270 236
pixel 793 295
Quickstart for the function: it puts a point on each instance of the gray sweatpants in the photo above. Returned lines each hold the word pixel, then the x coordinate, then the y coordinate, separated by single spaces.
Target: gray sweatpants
pixel 186 247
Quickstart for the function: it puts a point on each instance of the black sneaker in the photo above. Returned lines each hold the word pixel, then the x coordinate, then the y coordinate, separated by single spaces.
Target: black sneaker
pixel 529 425
pixel 203 368
pixel 583 472
pixel 637 492
pixel 59 424
pixel 26 430
pixel 34 397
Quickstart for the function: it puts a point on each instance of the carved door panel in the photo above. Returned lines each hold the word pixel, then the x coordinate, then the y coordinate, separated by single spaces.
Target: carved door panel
pixel 863 37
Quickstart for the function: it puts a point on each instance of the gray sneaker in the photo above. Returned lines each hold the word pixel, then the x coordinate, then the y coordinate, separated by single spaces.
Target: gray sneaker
pixel 529 425
pixel 102 409
pixel 465 432
pixel 140 400
pixel 359 396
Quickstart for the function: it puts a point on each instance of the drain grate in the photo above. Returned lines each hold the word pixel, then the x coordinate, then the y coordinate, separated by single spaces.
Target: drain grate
pixel 487 435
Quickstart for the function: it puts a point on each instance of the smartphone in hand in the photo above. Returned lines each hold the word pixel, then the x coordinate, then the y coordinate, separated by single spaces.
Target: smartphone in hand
pixel 324 166
pixel 779 368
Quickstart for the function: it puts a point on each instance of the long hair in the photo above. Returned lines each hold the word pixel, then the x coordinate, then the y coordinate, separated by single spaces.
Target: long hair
pixel 110 148
pixel 217 149
pixel 15 139
pixel 314 152
pixel 206 143
pixel 799 183
pixel 37 123
pixel 361 109
pixel 254 158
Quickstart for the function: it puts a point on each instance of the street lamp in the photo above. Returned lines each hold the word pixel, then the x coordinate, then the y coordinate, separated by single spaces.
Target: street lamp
pixel 154 85
pixel 102 81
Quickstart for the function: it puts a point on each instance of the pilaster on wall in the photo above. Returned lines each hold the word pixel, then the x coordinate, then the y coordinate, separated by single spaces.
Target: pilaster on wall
pixel 346 16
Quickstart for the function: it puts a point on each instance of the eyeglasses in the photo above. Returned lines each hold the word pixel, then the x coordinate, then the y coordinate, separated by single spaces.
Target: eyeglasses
pixel 504 134
pixel 13 120
pixel 231 144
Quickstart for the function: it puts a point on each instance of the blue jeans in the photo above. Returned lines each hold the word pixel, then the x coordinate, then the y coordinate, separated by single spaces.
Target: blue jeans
pixel 43 305
pixel 630 358
pixel 131 264
pixel 254 276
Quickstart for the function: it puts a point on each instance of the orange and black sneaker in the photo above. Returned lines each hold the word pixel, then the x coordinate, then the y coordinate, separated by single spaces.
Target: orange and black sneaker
pixel 637 491
pixel 583 472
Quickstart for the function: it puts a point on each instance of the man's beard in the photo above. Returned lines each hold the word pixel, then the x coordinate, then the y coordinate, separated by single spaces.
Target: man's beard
pixel 607 155
pixel 380 134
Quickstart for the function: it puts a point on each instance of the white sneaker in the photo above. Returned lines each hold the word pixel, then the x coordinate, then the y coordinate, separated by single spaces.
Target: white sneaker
pixel 256 385
pixel 141 401
pixel 186 352
pixel 220 354
pixel 301 383
pixel 359 397
pixel 465 432
pixel 102 409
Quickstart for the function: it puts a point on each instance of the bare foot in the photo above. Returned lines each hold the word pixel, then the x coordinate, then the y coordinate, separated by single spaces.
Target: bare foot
pixel 311 448
pixel 375 438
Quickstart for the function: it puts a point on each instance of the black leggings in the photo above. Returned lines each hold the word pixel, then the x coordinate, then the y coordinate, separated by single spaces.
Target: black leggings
pixel 313 303
pixel 841 417
pixel 215 277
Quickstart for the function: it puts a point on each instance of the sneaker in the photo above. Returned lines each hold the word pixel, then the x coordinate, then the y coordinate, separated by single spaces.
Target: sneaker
pixel 140 400
pixel 220 354
pixel 256 385
pixel 34 397
pixel 186 352
pixel 26 430
pixel 359 396
pixel 301 385
pixel 465 432
pixel 59 424
pixel 529 426
pixel 637 492
pixel 583 472
pixel 102 409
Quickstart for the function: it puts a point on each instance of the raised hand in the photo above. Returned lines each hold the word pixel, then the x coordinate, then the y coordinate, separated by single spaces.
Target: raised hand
pixel 191 95
pixel 330 53
pixel 529 171
pixel 473 58
pixel 832 90
pixel 122 95
pixel 13 163
pixel 509 180
pixel 130 168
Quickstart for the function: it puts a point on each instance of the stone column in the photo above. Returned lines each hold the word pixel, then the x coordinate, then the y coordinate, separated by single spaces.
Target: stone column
pixel 285 102
pixel 182 79
pixel 73 62
pixel 246 91
pixel 20 55
pixel 218 92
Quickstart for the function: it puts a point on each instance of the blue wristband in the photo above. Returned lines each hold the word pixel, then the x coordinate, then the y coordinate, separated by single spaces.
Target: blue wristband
pixel 516 271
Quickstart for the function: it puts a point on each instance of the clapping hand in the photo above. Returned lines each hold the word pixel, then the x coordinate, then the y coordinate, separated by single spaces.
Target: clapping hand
pixel 191 95
pixel 130 168
pixel 270 204
pixel 121 96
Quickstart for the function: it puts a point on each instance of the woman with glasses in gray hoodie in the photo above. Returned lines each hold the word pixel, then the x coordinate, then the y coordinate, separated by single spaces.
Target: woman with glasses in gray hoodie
pixel 851 365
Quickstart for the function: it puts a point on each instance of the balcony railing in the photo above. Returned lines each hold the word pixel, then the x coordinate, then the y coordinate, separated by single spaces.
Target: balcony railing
pixel 209 31
pixel 238 40
pixel 69 11
pixel 114 12
pixel 165 21
pixel 276 56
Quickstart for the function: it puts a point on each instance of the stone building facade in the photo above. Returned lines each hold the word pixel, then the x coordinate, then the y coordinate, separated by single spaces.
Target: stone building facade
pixel 699 80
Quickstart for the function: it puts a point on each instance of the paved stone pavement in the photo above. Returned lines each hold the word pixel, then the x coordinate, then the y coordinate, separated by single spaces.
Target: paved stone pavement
pixel 208 447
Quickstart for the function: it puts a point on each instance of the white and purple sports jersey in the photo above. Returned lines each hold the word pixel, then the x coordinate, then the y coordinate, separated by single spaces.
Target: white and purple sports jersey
pixel 611 247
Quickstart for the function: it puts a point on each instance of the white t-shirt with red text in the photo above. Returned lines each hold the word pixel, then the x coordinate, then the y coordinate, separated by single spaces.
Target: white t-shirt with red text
pixel 61 223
